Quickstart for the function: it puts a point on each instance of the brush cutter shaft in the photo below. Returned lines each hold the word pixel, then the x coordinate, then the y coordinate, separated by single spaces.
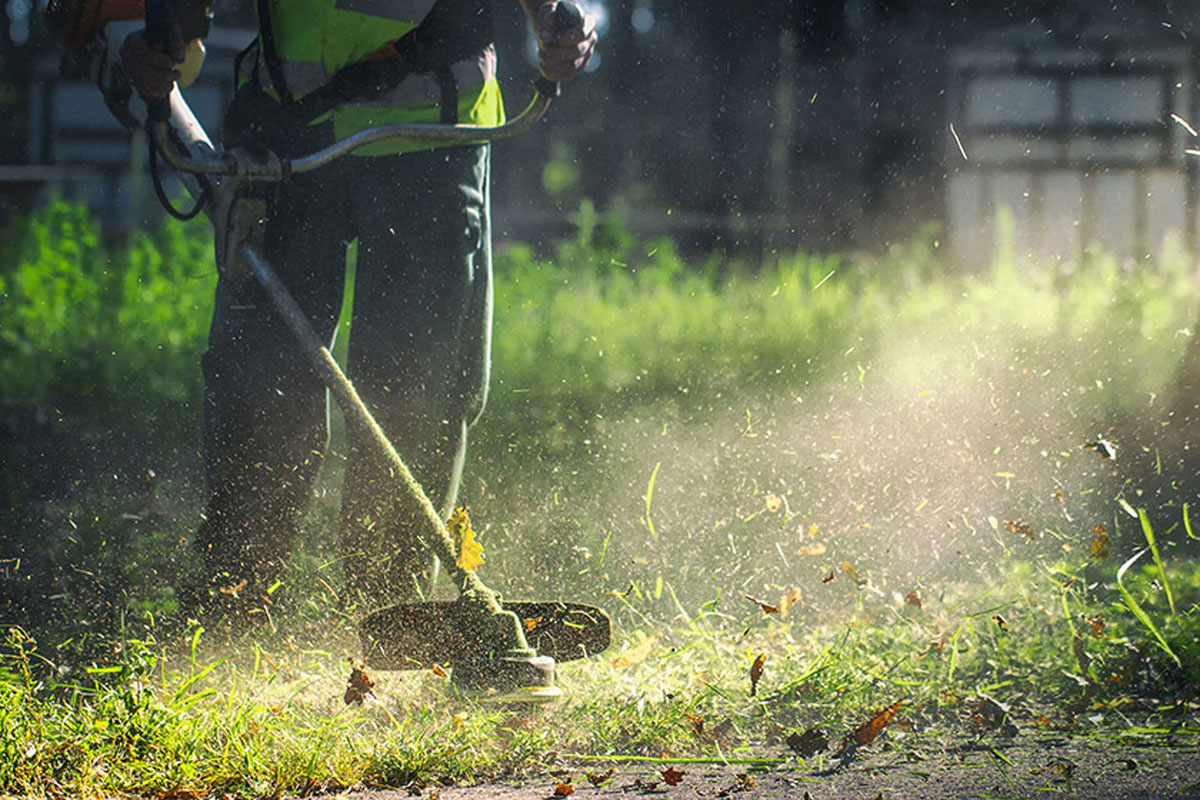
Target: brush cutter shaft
pixel 507 627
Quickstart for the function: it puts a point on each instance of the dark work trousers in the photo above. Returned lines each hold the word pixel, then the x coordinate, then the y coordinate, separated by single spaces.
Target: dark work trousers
pixel 418 355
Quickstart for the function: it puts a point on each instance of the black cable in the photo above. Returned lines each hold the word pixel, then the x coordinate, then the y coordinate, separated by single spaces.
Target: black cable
pixel 160 193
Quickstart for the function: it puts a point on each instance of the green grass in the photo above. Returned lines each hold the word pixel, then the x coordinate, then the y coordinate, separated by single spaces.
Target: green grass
pixel 856 433
pixel 266 718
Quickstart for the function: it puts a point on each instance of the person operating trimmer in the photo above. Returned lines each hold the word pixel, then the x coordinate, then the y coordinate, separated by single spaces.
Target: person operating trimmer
pixel 422 308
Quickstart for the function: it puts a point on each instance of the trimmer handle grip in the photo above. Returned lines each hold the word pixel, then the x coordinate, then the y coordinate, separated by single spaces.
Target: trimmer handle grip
pixel 158 34
pixel 567 16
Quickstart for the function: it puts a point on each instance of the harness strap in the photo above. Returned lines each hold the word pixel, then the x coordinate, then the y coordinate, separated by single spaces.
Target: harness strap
pixel 452 31
pixel 270 55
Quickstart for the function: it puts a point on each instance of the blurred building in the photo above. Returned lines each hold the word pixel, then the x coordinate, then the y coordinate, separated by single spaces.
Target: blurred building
pixel 1066 138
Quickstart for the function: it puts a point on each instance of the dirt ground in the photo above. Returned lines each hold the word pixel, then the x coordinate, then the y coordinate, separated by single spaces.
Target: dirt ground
pixel 1097 769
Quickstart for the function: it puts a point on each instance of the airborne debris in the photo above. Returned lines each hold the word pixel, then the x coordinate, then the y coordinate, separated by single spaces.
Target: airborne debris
pixel 470 551
pixel 1019 527
pixel 789 599
pixel 1103 448
pixel 959 142
pixel 756 672
pixel 635 655
pixel 1101 545
pixel 767 608
pixel 869 731
pixel 358 686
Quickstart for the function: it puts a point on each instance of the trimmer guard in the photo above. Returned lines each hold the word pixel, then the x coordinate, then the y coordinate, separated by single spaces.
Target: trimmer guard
pixel 418 635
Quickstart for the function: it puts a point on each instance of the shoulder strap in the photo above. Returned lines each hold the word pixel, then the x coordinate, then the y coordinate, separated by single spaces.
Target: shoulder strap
pixel 452 31
pixel 270 55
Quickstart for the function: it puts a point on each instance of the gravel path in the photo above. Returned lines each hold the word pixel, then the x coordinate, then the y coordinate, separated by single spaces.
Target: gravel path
pixel 1093 768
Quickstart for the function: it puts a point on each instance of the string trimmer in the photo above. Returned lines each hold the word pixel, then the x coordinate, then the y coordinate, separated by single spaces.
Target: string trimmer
pixel 508 650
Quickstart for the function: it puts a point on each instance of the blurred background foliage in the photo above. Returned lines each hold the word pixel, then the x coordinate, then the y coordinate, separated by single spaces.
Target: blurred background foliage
pixel 824 380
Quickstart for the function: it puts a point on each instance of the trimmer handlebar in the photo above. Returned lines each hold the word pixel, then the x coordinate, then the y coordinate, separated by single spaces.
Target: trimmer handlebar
pixel 238 164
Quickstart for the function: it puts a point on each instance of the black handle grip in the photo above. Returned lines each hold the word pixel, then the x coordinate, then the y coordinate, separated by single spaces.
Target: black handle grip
pixel 158 34
pixel 567 17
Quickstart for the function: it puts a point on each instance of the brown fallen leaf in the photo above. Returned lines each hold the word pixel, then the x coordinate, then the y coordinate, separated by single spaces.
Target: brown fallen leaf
pixel 828 577
pixel 870 730
pixel 672 776
pixel 530 624
pixel 912 599
pixel 602 778
pixel 809 743
pixel 1096 624
pixel 697 723
pixel 745 782
pixel 756 672
pixel 358 686
pixel 564 789
pixel 439 670
pixel 767 608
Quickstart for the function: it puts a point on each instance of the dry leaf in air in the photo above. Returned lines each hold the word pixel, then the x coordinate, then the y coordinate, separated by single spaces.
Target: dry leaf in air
pixel 358 686
pixel 635 655
pixel 1101 546
pixel 786 601
pixel 756 672
pixel 767 608
pixel 470 551
pixel 1019 527
pixel 870 730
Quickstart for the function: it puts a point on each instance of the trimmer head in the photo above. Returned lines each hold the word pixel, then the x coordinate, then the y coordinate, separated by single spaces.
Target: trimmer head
pixel 419 635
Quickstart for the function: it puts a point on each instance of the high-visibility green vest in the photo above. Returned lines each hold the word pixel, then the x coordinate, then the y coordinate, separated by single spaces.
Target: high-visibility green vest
pixel 316 38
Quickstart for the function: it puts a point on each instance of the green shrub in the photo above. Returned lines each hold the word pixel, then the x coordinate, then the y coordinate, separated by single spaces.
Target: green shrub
pixel 104 330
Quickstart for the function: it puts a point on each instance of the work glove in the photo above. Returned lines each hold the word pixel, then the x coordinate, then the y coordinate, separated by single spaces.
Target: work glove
pixel 153 72
pixel 563 53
